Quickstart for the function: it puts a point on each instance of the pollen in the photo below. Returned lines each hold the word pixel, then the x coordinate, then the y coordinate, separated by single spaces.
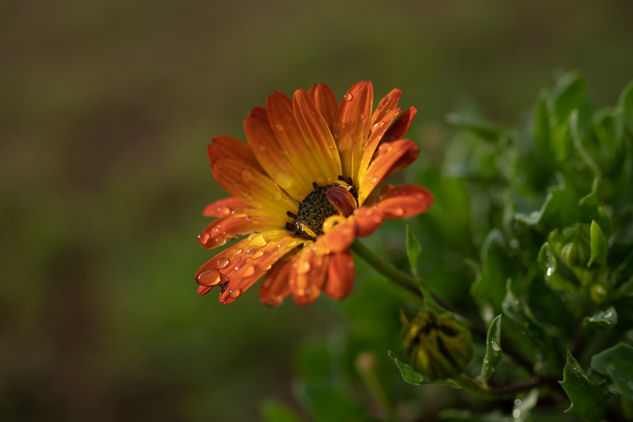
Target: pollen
pixel 313 211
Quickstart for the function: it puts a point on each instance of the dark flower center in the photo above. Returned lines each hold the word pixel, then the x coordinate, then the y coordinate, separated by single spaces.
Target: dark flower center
pixel 313 211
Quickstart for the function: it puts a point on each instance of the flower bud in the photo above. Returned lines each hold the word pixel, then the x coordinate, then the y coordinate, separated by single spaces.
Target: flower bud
pixel 437 346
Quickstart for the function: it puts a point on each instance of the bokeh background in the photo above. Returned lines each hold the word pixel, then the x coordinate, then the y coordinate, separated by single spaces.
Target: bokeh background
pixel 106 108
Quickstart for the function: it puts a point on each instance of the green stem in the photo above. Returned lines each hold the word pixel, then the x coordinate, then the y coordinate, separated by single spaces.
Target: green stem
pixel 409 285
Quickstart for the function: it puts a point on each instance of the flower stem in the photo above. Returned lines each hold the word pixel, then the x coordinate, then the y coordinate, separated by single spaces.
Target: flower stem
pixel 402 280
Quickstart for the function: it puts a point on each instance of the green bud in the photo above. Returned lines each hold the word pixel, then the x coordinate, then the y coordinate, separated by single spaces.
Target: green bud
pixel 437 346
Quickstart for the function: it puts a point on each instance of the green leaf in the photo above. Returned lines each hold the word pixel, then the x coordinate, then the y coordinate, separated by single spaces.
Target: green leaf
pixel 541 128
pixel 454 415
pixel 409 374
pixel 589 209
pixel 519 312
pixel 275 411
pixel 557 275
pixel 598 245
pixel 605 318
pixel 558 210
pixel 413 251
pixel 493 349
pixel 587 397
pixel 484 130
pixel 496 267
pixel 327 404
pixel 524 406
pixel 567 95
pixel 617 363
pixel 625 105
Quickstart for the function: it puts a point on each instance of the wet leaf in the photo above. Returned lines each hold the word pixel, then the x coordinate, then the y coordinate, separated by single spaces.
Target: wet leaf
pixel 493 349
pixel 598 245
pixel 587 397
pixel 617 363
pixel 606 318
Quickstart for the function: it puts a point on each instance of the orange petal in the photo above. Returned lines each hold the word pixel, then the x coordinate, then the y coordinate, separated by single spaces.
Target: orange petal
pixel 276 285
pixel 225 147
pixel 310 268
pixel 290 138
pixel 367 220
pixel 340 278
pixel 352 124
pixel 386 105
pixel 252 186
pixel 223 207
pixel 317 135
pixel 401 126
pixel 403 201
pixel 243 275
pixel 342 199
pixel 390 157
pixel 242 222
pixel 339 233
pixel 203 290
pixel 378 131
pixel 272 157
pixel 325 101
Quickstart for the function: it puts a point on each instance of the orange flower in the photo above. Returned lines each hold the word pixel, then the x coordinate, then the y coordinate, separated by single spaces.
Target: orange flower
pixel 304 188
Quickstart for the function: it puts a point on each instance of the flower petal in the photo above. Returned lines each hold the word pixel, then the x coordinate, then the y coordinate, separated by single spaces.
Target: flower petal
pixel 342 199
pixel 276 286
pixel 325 101
pixel 340 278
pixel 367 220
pixel 401 126
pixel 223 207
pixel 244 275
pixel 290 138
pixel 272 157
pixel 390 157
pixel 386 105
pixel 237 223
pixel 225 147
pixel 351 125
pixel 403 201
pixel 252 186
pixel 317 134
pixel 310 268
pixel 339 233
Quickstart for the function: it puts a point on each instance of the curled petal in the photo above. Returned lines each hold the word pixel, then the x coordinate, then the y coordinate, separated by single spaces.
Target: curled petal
pixel 401 126
pixel 342 199
pixel 340 275
pixel 223 207
pixel 403 201
pixel 389 158
pixel 339 233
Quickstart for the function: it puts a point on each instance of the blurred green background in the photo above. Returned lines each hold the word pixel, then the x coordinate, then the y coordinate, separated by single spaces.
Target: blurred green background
pixel 106 108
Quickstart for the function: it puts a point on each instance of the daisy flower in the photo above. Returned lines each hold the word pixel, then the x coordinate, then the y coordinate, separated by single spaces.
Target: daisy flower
pixel 304 187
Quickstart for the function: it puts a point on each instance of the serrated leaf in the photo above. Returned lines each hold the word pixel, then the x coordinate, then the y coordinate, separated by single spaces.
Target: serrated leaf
pixel 327 404
pixel 493 349
pixel 409 374
pixel 617 363
pixel 587 397
pixel 605 318
pixel 598 245
pixel 276 411
pixel 413 251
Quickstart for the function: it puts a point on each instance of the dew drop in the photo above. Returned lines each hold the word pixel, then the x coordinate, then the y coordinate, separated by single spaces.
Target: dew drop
pixel 377 126
pixel 247 175
pixel 235 292
pixel 308 291
pixel 284 180
pixel 236 268
pixel 374 179
pixel 362 116
pixel 348 96
pixel 222 263
pixel 279 126
pixel 304 267
pixel 208 278
pixel 248 271
pixel 237 251
pixel 398 211
pixel 203 238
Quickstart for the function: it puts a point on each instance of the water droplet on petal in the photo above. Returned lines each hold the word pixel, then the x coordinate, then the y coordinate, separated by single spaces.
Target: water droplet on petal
pixel 222 263
pixel 248 271
pixel 348 97
pixel 237 251
pixel 304 267
pixel 377 126
pixel 235 292
pixel 362 116
pixel 279 126
pixel 284 180
pixel 398 211
pixel 203 238
pixel 374 179
pixel 247 175
pixel 208 278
